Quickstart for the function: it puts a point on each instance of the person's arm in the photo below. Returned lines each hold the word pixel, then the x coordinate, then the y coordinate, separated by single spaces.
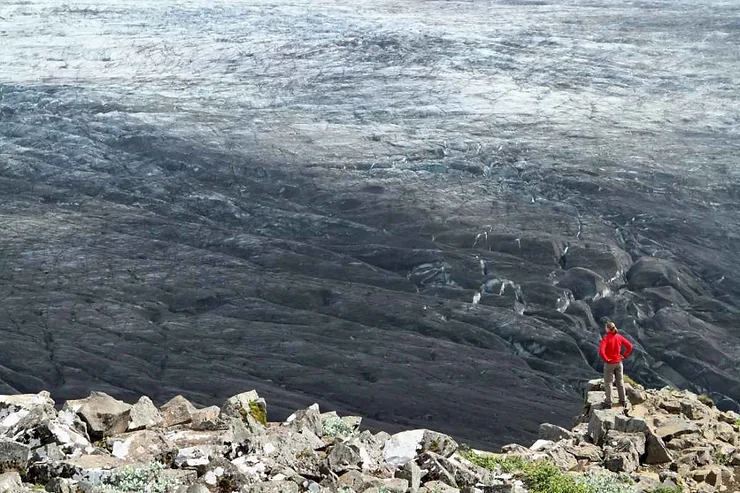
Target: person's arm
pixel 627 347
pixel 602 348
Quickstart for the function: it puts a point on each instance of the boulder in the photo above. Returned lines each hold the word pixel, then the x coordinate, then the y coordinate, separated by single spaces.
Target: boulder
pixel 196 456
pixel 554 433
pixel 541 445
pixel 726 433
pixel 432 463
pixel 273 487
pixel 656 451
pixel 696 457
pixel 709 475
pixel 14 408
pixel 672 406
pixel 10 482
pixel 246 406
pixel 635 395
pixel 344 457
pixel 436 486
pixel 13 455
pixel 410 472
pixel 562 458
pixel 729 417
pixel 104 415
pixel 626 441
pixel 177 411
pixel 461 473
pixel 674 427
pixel 622 451
pixel 144 414
pixel 309 418
pixel 693 409
pixel 142 446
pixel 599 424
pixel 206 418
pixel 586 451
pixel 407 445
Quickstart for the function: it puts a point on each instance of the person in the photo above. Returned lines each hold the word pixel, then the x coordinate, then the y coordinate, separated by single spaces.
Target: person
pixel 610 351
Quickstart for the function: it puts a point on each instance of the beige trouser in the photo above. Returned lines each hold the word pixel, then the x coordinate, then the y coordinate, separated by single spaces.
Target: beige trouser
pixel 610 371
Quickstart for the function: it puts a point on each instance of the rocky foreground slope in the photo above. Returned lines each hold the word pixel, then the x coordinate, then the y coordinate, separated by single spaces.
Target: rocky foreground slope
pixel 671 441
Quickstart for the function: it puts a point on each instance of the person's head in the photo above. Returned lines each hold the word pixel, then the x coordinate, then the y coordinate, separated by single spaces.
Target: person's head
pixel 611 327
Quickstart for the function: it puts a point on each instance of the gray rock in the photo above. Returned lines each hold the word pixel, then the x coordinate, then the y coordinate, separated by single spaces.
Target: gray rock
pixel 554 433
pixel 432 463
pixel 388 485
pixel 407 445
pixel 197 488
pixel 206 418
pixel 626 441
pixel 13 455
pixel 245 404
pixel 514 448
pixel 709 475
pixel 436 486
pixel 10 482
pixel 595 398
pixel 411 472
pixel 620 461
pixel 273 487
pixel 729 417
pixel 142 446
pixel 177 411
pixel 144 414
pixel 343 457
pixel 693 409
pixel 586 451
pixel 656 451
pixel 307 418
pixel 562 458
pixel 104 415
pixel 599 424
pixel 635 395
pixel 674 427
pixel 725 432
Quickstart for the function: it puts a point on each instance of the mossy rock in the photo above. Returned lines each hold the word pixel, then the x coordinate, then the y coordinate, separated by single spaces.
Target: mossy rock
pixel 258 412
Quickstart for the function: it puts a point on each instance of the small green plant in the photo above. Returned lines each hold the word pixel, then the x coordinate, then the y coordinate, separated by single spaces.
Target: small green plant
pixel 540 476
pixel 720 458
pixel 667 489
pixel 737 423
pixel 631 381
pixel 492 462
pixel 706 400
pixel 605 483
pixel 144 479
pixel 335 426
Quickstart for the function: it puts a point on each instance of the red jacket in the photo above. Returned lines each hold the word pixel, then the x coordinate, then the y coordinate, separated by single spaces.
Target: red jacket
pixel 610 349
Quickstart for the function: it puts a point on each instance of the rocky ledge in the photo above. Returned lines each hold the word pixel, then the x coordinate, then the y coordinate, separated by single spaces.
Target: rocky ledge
pixel 669 441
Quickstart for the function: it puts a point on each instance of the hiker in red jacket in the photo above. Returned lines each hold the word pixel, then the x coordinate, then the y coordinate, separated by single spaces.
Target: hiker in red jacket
pixel 610 351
